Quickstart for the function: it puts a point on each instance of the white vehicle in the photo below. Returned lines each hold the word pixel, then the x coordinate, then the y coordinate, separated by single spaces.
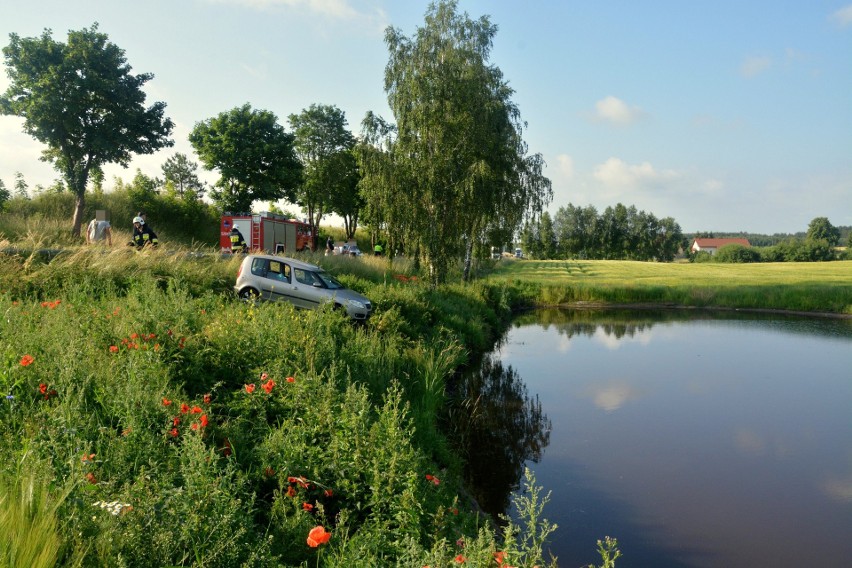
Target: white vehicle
pixel 281 279
pixel 348 248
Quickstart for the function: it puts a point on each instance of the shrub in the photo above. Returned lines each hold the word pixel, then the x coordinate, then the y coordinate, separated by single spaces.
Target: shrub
pixel 736 253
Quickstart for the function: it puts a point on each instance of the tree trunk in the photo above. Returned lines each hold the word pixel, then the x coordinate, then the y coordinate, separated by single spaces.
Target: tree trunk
pixel 78 214
pixel 468 253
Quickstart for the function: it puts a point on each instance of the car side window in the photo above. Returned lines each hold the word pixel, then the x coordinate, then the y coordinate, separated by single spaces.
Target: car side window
pixel 304 277
pixel 259 266
pixel 278 271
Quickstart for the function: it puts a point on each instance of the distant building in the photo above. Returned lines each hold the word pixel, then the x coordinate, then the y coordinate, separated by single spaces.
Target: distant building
pixel 712 245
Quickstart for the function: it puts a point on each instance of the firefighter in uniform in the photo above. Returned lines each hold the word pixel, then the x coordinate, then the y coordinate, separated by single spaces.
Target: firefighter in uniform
pixel 143 234
pixel 238 243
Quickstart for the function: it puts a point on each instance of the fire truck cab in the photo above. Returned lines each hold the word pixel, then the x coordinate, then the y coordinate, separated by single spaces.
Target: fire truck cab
pixel 266 231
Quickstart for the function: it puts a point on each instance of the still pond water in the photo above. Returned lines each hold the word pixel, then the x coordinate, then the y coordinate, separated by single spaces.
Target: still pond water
pixel 696 440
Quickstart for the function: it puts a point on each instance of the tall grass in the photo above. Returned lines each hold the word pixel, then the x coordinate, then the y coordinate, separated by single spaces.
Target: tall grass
pixel 100 349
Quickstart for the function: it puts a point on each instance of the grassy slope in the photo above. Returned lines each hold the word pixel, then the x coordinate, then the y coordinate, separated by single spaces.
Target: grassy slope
pixel 812 287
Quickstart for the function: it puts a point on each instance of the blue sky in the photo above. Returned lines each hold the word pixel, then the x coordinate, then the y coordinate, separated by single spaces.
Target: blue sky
pixel 728 115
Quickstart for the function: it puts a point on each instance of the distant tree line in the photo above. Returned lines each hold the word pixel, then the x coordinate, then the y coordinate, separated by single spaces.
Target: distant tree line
pixel 619 233
pixel 820 243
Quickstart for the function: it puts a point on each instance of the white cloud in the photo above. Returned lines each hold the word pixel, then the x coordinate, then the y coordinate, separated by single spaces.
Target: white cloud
pixel 843 16
pixel 612 109
pixel 616 172
pixel 565 166
pixel 755 65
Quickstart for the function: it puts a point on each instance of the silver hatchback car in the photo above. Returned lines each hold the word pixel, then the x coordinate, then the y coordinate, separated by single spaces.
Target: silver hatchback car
pixel 304 285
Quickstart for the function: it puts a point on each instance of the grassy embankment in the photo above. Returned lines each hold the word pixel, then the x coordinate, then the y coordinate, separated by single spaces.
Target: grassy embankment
pixel 799 287
pixel 171 425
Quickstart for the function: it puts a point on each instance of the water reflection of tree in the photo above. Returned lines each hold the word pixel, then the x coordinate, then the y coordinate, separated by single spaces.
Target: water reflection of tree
pixel 618 322
pixel 497 427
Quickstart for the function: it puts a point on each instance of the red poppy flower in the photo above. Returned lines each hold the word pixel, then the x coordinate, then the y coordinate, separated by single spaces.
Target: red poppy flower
pixel 27 360
pixel 207 398
pixel 268 386
pixel 328 492
pixel 184 408
pixel 194 426
pixel 174 432
pixel 291 491
pixel 42 388
pixel 196 410
pixel 318 536
pixel 269 472
pixel 291 379
pixel 134 336
pixel 460 559
pixel 152 335
pixel 87 458
pixel 250 388
pixel 307 507
pixel 176 421
pixel 91 478
pixel 263 376
pixel 498 557
pixel 204 421
pixel 113 349
pixel 45 304
pixel 166 402
pixel 433 479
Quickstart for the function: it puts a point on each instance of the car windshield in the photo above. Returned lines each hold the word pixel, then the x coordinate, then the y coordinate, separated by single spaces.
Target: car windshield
pixel 329 280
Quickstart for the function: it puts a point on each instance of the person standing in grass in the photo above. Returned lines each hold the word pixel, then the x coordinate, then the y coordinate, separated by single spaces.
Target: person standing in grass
pixel 98 231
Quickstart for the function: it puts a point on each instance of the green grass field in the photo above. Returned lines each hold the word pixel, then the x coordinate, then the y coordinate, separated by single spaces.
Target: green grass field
pixel 810 287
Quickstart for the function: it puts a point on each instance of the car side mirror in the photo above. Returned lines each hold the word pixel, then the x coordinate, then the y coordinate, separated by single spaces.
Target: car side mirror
pixel 317 285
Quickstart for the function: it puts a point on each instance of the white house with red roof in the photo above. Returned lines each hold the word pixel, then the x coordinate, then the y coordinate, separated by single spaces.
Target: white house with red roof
pixel 712 245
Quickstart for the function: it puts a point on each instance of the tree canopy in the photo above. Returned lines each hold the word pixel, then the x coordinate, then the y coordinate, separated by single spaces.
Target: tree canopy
pixel 324 146
pixel 179 171
pixel 821 228
pixel 81 100
pixel 455 166
pixel 254 155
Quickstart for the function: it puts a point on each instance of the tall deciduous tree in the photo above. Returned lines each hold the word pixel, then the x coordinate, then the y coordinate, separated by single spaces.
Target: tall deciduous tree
pixel 821 228
pixel 324 146
pixel 81 100
pixel 254 155
pixel 458 163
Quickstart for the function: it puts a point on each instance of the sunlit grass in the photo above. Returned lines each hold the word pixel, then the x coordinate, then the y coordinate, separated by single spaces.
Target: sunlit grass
pixel 811 286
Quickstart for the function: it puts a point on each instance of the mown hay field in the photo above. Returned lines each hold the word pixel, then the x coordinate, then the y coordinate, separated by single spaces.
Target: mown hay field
pixel 811 286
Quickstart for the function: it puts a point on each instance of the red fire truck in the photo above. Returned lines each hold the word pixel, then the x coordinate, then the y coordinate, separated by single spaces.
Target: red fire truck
pixel 266 231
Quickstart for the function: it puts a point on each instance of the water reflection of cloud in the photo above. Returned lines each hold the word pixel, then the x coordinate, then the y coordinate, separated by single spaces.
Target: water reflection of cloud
pixel 613 341
pixel 838 489
pixel 613 396
pixel 750 442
